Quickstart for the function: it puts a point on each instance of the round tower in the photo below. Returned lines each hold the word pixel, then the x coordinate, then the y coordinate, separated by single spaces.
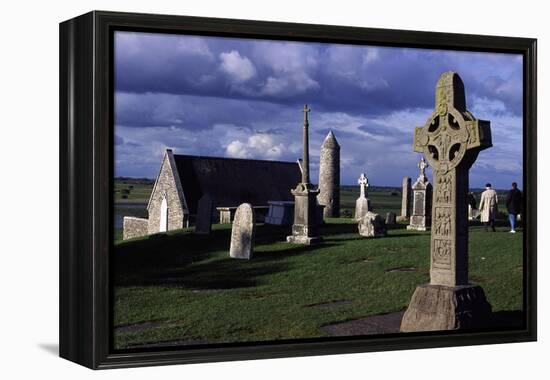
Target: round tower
pixel 329 177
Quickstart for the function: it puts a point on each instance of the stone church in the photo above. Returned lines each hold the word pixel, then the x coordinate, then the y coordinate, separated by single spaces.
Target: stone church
pixel 184 179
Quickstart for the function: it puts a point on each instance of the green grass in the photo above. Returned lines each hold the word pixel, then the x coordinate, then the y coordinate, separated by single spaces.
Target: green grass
pixel 132 190
pixel 383 199
pixel 182 287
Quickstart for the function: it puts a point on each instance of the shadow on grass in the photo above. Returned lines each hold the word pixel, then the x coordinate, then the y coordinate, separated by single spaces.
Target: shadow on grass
pixel 184 259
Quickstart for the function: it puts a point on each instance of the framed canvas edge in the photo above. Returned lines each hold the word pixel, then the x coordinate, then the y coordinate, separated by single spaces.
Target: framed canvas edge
pixel 85 174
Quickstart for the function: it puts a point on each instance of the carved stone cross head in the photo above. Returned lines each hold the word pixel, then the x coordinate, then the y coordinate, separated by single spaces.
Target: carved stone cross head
pixel 422 165
pixel 363 181
pixel 306 110
pixel 451 133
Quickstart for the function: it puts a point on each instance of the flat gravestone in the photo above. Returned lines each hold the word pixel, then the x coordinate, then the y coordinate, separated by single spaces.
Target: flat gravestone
pixel 242 232
pixel 450 140
pixel 203 223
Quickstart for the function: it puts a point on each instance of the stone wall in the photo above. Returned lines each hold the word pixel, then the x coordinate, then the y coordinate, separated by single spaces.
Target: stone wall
pixel 166 185
pixel 133 227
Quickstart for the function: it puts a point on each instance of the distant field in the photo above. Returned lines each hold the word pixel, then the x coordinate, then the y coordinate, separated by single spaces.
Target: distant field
pixel 133 190
pixel 130 193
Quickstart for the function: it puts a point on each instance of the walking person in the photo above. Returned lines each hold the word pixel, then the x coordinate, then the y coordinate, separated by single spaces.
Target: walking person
pixel 488 207
pixel 513 204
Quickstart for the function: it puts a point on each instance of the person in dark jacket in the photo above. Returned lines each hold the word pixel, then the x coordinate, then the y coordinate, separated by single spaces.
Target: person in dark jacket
pixel 513 204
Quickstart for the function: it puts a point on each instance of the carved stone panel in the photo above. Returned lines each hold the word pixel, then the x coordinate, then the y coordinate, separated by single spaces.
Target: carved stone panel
pixel 442 254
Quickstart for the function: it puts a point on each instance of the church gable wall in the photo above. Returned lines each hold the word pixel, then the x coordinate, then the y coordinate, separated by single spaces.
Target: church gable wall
pixel 165 185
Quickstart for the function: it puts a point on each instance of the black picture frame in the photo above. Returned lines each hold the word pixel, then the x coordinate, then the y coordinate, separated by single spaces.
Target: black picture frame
pixel 86 175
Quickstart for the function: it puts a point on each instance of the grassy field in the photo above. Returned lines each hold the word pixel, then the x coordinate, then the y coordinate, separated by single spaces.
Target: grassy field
pixel 132 190
pixel 383 199
pixel 182 288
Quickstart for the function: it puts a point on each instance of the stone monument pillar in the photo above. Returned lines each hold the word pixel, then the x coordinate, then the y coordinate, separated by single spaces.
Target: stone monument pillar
pixel 405 199
pixel 329 177
pixel 422 200
pixel 450 140
pixel 304 229
pixel 362 204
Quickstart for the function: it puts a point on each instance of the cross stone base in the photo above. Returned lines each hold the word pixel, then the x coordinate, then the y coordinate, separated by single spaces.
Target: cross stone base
pixel 297 239
pixel 437 308
pixel 419 223
pixel 306 210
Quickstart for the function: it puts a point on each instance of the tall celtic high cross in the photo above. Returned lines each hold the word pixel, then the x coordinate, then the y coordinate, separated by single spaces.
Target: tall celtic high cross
pixel 450 140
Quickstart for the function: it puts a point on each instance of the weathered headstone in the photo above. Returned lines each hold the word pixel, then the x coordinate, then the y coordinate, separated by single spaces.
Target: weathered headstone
pixel 372 225
pixel 405 199
pixel 451 141
pixel 391 218
pixel 203 223
pixel 362 204
pixel 242 232
pixel 304 229
pixel 329 177
pixel 422 200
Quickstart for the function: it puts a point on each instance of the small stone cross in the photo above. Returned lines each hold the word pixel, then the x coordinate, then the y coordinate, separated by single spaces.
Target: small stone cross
pixel 422 165
pixel 306 110
pixel 363 181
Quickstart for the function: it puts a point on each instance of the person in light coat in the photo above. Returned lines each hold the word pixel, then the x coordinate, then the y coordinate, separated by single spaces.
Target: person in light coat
pixel 488 207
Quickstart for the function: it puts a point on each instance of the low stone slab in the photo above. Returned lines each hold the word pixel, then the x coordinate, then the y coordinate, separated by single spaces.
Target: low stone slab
pixel 372 225
pixel 133 227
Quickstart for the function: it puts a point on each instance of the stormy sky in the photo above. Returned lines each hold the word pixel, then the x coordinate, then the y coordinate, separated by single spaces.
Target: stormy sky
pixel 243 98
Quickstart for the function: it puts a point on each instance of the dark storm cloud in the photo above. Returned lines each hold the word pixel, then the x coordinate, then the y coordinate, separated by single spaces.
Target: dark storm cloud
pixel 355 79
pixel 243 98
pixel 189 112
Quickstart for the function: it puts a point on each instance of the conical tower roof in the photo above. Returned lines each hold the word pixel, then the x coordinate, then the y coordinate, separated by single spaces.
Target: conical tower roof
pixel 330 141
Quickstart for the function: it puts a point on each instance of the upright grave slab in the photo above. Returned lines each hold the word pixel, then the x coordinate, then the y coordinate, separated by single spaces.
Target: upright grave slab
pixel 451 141
pixel 203 223
pixel 242 232
pixel 405 199
pixel 422 200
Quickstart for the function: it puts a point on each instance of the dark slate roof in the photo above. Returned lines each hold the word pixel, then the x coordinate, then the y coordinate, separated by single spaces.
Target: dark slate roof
pixel 232 181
